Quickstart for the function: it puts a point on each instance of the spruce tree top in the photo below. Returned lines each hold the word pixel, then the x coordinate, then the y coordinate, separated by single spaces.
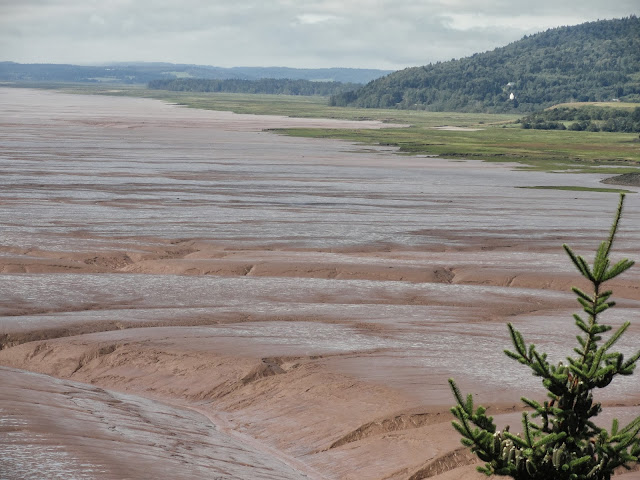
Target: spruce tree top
pixel 564 443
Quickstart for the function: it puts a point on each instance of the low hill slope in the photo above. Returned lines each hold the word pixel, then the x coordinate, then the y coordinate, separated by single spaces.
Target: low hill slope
pixel 594 61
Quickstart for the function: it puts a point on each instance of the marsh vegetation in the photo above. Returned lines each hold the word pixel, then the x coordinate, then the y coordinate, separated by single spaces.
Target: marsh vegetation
pixel 482 136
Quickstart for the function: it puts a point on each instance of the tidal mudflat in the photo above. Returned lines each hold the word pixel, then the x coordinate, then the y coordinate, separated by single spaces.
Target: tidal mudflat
pixel 186 293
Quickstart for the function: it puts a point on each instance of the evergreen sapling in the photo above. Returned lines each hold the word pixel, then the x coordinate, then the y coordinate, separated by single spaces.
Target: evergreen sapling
pixel 563 443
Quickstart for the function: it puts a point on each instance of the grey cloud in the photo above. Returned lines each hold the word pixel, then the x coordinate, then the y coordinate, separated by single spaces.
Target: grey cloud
pixel 310 33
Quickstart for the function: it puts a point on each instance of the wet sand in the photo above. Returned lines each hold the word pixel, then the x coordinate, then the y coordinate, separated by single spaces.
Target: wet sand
pixel 200 297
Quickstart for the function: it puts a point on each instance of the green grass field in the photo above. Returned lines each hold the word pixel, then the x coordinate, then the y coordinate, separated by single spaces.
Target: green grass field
pixel 625 105
pixel 498 137
pixel 533 149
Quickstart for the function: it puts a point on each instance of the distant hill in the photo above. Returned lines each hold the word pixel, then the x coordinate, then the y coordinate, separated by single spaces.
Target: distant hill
pixel 344 75
pixel 595 61
pixel 273 86
pixel 146 72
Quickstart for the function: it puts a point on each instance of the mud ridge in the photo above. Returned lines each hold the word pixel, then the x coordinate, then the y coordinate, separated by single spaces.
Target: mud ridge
pixel 88 357
pixel 9 340
pixel 399 422
pixel 449 461
pixel 12 340
pixel 111 262
pixel 268 367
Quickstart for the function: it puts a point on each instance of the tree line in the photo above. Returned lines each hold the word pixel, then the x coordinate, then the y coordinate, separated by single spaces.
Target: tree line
pixel 587 118
pixel 274 86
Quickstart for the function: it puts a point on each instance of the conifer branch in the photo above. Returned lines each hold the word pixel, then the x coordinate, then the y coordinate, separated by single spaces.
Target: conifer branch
pixel 567 444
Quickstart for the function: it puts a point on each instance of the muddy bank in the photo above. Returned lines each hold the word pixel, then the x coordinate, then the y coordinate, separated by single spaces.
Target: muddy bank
pixel 61 429
pixel 208 299
pixel 626 179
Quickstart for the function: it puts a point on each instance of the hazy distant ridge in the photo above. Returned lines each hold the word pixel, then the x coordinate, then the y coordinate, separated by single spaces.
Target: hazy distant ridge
pixel 595 61
pixel 146 72
pixel 272 86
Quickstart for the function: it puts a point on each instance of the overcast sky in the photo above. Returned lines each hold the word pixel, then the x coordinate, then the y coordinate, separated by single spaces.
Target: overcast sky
pixel 387 34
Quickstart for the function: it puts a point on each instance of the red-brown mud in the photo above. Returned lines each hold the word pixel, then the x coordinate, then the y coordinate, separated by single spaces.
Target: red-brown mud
pixel 183 295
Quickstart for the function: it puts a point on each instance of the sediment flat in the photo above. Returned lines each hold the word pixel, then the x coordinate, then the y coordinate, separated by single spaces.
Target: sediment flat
pixel 185 294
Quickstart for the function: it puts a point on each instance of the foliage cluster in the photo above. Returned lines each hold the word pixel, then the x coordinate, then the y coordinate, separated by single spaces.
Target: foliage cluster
pixel 265 86
pixel 589 118
pixel 565 444
pixel 593 61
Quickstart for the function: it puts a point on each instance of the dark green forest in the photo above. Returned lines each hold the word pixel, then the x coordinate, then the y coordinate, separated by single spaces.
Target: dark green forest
pixel 585 118
pixel 595 61
pixel 266 85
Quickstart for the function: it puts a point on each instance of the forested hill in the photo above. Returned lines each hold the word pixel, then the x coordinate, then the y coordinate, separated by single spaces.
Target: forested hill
pixel 594 61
